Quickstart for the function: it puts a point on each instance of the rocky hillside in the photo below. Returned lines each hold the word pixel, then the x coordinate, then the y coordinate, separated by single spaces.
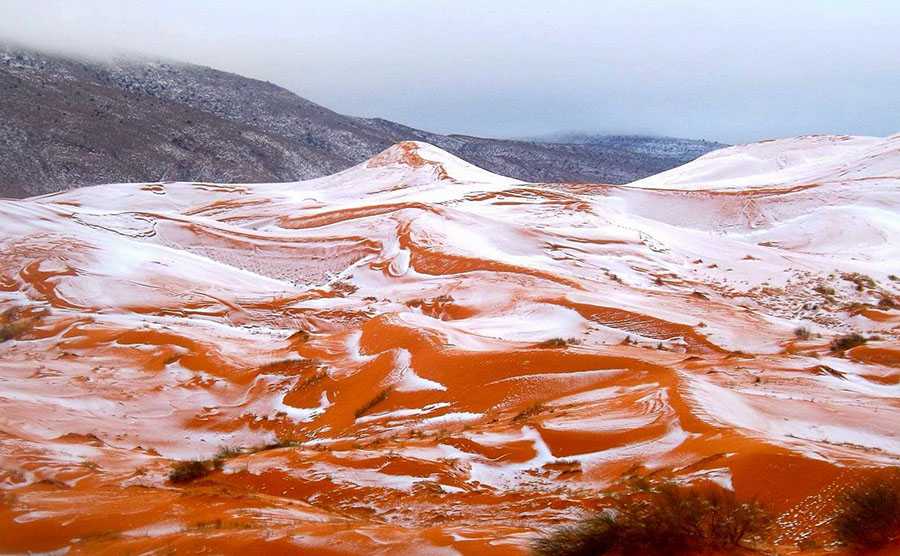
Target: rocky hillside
pixel 65 122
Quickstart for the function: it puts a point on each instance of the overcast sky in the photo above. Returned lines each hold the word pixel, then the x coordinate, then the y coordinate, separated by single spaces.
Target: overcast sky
pixel 733 71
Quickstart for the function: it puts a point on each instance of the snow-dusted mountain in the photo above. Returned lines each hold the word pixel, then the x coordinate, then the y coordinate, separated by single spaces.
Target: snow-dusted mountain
pixel 66 123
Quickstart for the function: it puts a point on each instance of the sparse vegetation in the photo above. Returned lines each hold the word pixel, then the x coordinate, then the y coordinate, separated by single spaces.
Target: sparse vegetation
pixel 281 442
pixel 843 343
pixel 825 290
pixel 802 333
pixel 188 471
pixel 368 406
pixel 665 520
pixel 191 470
pixel 861 280
pixel 290 366
pixel 227 452
pixel 311 380
pixel 612 276
pixel 12 326
pixel 530 411
pixel 869 514
pixel 553 343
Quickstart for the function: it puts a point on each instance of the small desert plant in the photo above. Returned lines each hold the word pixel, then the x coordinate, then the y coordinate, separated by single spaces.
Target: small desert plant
pixel 311 380
pixel 228 452
pixel 665 520
pixel 187 471
pixel 861 280
pixel 282 441
pixel 12 328
pixel 843 343
pixel 802 333
pixel 552 343
pixel 7 332
pixel 589 537
pixel 869 514
pixel 530 411
pixel 369 405
pixel 825 290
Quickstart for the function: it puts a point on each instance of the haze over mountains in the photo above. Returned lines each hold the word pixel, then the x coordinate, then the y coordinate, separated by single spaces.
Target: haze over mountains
pixel 65 123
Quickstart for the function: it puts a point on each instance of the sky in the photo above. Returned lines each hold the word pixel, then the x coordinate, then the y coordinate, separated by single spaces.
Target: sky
pixel 726 70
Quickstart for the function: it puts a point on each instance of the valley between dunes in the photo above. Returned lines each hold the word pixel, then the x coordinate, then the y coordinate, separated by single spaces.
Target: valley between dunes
pixel 416 356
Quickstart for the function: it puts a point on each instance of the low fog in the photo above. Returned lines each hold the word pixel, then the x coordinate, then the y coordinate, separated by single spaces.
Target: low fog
pixel 723 71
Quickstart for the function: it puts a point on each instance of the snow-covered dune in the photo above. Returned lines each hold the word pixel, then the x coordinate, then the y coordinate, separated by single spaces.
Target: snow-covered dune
pixel 785 162
pixel 395 348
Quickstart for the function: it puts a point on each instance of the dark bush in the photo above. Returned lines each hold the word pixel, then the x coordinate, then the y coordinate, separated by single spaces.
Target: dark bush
pixel 589 537
pixel 553 343
pixel 666 520
pixel 802 333
pixel 13 329
pixel 228 452
pixel 843 343
pixel 869 515
pixel 368 406
pixel 825 290
pixel 530 411
pixel 187 471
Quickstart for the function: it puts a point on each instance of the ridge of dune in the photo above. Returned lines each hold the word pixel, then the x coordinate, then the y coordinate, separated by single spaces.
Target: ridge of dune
pixel 792 161
pixel 390 350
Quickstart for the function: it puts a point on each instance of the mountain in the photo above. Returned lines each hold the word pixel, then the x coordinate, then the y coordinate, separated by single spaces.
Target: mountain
pixel 642 145
pixel 66 122
pixel 416 355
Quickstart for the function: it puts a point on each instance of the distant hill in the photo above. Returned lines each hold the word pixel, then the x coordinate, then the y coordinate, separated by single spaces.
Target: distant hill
pixel 67 123
pixel 649 145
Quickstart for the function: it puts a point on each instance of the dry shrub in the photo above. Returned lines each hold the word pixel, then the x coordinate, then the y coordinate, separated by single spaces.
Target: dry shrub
pixel 13 326
pixel 869 514
pixel 666 520
pixel 187 471
pixel 530 411
pixel 825 290
pixel 843 343
pixel 553 343
pixel 368 406
pixel 589 537
pixel 861 280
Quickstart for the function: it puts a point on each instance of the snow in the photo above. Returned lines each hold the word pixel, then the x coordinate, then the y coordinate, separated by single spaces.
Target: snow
pixel 441 265
pixel 408 380
pixel 796 160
